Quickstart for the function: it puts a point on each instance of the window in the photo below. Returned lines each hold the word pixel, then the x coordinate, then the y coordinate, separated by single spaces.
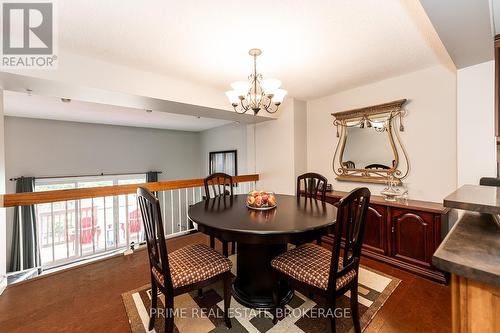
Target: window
pixel 224 161
pixel 73 229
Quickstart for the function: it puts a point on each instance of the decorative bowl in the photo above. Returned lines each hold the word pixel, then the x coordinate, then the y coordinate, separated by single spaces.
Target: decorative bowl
pixel 261 200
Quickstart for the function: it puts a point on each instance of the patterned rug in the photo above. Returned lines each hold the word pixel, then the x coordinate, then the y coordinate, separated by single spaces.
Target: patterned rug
pixel 199 315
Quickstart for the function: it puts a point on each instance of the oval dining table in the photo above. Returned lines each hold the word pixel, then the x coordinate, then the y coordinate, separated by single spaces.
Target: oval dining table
pixel 261 235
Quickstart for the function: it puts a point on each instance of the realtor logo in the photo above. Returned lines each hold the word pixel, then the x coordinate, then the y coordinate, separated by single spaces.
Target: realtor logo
pixel 28 35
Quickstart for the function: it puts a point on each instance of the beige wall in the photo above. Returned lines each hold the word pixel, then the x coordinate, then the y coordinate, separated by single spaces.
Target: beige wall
pixel 274 144
pixel 430 135
pixel 476 123
pixel 300 137
pixel 280 148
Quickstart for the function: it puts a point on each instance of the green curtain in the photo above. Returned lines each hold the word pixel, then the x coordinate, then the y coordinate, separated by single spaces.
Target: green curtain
pixel 24 231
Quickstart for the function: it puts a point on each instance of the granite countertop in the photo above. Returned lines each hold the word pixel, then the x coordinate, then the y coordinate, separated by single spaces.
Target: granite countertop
pixel 484 199
pixel 472 249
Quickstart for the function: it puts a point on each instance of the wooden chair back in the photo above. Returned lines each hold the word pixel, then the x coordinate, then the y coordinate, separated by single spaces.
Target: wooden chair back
pixel 489 181
pixel 377 166
pixel 218 182
pixel 155 236
pixel 314 183
pixel 351 221
pixel 349 165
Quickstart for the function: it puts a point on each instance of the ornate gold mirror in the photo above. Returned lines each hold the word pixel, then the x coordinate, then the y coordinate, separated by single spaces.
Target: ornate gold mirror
pixel 369 147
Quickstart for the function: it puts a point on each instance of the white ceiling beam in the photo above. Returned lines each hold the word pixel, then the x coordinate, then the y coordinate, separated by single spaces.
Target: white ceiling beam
pixel 48 88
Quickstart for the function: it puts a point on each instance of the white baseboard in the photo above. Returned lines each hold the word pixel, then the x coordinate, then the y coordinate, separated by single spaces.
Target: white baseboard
pixel 3 283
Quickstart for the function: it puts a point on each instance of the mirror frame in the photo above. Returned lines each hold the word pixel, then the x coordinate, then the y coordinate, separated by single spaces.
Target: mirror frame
pixel 393 112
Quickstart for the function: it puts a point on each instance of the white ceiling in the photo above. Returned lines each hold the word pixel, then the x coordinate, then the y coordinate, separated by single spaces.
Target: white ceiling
pixel 22 105
pixel 315 47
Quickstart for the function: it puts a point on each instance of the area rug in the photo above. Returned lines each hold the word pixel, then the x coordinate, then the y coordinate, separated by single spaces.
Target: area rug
pixel 195 314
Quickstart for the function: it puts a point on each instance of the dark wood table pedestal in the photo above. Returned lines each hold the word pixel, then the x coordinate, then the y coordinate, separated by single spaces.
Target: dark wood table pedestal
pixel 253 285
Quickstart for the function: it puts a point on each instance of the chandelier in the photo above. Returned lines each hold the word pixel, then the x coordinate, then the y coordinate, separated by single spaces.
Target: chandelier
pixel 256 93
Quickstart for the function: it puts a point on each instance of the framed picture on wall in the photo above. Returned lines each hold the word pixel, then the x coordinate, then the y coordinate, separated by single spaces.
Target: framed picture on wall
pixel 223 161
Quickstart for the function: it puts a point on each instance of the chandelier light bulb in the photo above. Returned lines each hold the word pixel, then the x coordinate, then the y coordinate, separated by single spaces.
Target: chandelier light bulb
pixel 241 87
pixel 279 96
pixel 270 86
pixel 233 97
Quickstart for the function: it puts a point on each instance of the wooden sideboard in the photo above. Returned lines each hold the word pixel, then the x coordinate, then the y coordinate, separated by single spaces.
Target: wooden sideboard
pixel 403 234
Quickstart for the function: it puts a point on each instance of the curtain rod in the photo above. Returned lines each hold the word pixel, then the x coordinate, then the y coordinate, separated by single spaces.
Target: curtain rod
pixel 81 176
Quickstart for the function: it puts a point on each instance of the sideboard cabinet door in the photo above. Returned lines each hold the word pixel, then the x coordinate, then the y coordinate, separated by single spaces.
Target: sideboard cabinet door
pixel 413 236
pixel 375 239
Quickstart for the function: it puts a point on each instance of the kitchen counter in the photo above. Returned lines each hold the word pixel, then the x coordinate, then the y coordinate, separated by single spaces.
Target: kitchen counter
pixel 484 199
pixel 472 249
pixel 471 253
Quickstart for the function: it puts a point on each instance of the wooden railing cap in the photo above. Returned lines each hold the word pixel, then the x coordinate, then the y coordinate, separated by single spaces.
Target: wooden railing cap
pixel 33 198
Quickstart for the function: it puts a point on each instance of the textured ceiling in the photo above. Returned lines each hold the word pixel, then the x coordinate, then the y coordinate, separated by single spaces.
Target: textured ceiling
pixel 315 47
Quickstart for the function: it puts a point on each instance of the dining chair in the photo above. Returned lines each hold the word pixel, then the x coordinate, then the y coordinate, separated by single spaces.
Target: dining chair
pixel 328 273
pixel 218 182
pixel 188 268
pixel 314 184
pixel 489 181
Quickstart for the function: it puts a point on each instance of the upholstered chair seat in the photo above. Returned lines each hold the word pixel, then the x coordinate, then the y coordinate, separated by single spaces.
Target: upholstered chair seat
pixel 192 264
pixel 310 264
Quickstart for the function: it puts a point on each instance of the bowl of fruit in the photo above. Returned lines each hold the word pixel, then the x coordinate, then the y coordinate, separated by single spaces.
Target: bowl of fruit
pixel 261 200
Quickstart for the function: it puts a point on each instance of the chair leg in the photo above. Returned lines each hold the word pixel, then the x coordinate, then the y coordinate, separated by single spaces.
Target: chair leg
pixel 154 304
pixel 169 314
pixel 355 307
pixel 227 298
pixel 212 242
pixel 225 249
pixel 233 247
pixel 331 322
